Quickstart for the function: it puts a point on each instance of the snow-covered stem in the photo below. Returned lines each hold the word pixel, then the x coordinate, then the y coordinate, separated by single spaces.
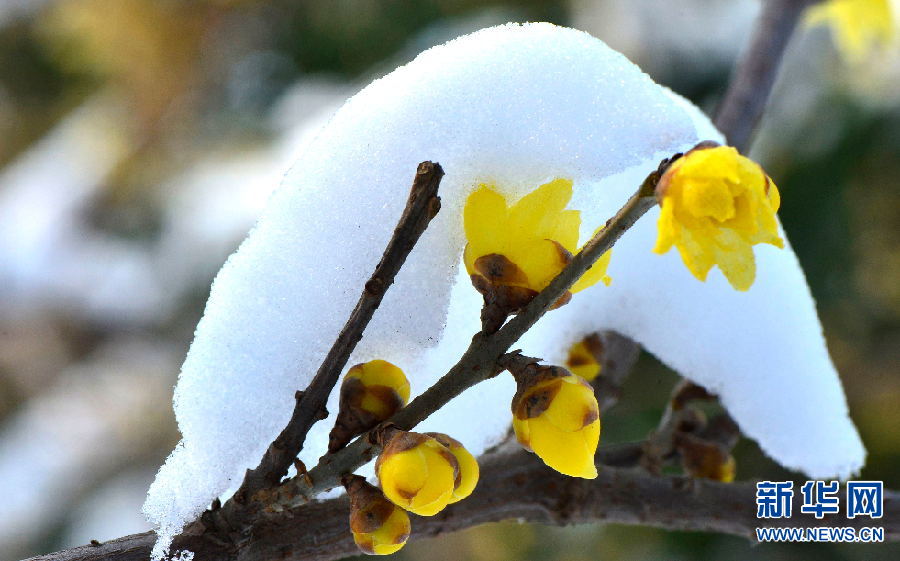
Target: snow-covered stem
pixel 754 74
pixel 514 485
pixel 479 362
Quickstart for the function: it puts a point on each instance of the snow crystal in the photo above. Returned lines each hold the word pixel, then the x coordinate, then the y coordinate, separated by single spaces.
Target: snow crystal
pixel 515 106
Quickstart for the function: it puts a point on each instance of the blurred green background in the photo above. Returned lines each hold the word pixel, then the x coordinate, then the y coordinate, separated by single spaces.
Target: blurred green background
pixel 139 140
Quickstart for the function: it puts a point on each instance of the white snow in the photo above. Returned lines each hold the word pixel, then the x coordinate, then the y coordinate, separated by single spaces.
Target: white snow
pixel 516 106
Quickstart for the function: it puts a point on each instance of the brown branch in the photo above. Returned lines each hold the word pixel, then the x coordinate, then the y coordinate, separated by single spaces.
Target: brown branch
pixel 423 204
pixel 755 73
pixel 512 486
pixel 617 358
pixel 478 363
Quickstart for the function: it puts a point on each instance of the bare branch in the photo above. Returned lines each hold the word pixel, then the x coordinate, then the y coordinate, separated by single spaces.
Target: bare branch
pixel 478 363
pixel 423 204
pixel 618 355
pixel 755 72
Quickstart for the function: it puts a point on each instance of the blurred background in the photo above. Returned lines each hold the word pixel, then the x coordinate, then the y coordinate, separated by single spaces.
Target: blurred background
pixel 139 140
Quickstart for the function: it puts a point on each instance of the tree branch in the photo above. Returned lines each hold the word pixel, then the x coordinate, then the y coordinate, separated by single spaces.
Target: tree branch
pixel 756 70
pixel 518 486
pixel 618 357
pixel 478 363
pixel 423 205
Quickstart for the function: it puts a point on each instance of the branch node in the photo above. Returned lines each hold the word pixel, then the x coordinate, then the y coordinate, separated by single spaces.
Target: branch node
pixel 374 286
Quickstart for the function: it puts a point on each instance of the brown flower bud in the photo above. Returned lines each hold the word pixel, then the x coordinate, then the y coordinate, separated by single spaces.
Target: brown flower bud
pixel 708 460
pixel 370 393
pixel 379 526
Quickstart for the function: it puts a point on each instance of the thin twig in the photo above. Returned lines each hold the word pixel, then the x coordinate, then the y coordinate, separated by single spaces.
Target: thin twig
pixel 423 204
pixel 479 362
pixel 755 73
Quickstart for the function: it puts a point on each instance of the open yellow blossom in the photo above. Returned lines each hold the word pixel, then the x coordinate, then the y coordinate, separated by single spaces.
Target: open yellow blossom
pixel 513 252
pixel 370 393
pixel 556 415
pixel 858 26
pixel 468 466
pixel 715 206
pixel 417 473
pixel 585 357
pixel 379 526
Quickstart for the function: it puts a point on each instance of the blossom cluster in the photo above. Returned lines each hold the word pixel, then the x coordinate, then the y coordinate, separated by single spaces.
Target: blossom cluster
pixel 418 473
pixel 716 204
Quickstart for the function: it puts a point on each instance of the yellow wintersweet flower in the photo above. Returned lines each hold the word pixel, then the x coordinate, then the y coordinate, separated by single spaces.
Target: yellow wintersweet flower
pixel 513 252
pixel 715 206
pixel 858 26
pixel 468 466
pixel 584 357
pixel 379 526
pixel 556 415
pixel 417 473
pixel 370 393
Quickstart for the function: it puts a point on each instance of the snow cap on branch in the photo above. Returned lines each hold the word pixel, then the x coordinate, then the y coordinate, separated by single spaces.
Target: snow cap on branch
pixel 514 106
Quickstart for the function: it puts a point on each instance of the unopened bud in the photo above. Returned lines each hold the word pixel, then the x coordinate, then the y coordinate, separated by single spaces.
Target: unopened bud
pixel 417 472
pixel 379 526
pixel 586 357
pixel 704 459
pixel 556 415
pixel 370 393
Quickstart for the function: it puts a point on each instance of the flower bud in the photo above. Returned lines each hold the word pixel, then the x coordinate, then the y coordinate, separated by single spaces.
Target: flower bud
pixel 371 392
pixel 417 472
pixel 556 415
pixel 468 466
pixel 704 459
pixel 379 526
pixel 586 357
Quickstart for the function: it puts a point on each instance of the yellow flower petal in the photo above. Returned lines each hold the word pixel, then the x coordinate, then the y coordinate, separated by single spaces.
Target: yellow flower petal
pixel 567 228
pixel 392 536
pixel 569 453
pixel 595 274
pixel 738 264
pixel 537 214
pixel 468 466
pixel 484 217
pixel 712 199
